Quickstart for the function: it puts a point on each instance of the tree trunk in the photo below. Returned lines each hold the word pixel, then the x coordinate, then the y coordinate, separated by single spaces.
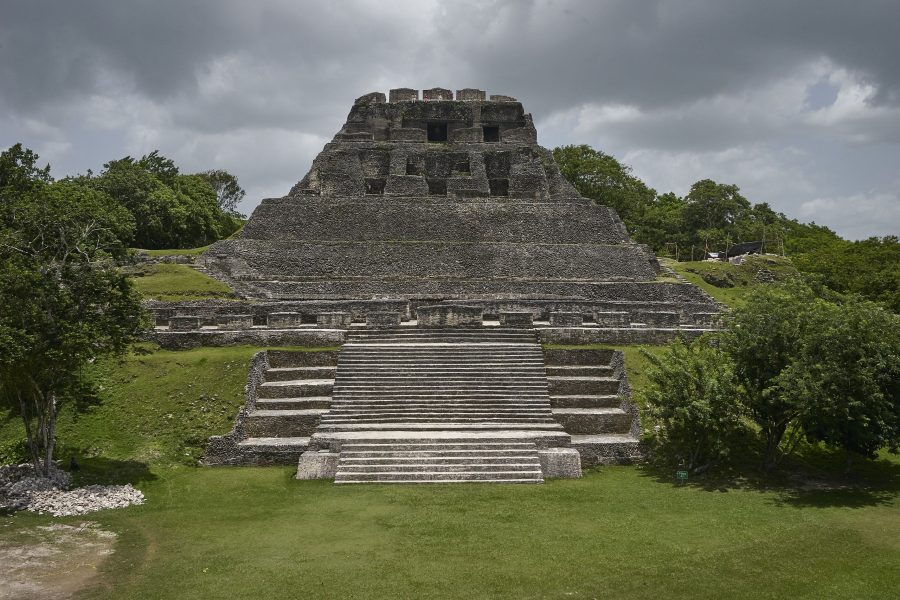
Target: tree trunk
pixel 29 434
pixel 773 439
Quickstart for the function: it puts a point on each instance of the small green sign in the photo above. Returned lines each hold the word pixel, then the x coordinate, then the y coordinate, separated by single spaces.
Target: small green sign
pixel 681 476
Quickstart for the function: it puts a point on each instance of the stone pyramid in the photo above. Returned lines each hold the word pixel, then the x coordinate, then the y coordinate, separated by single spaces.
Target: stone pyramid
pixel 440 199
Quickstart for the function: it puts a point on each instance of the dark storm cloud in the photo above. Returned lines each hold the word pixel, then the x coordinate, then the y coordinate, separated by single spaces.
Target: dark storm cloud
pixel 256 87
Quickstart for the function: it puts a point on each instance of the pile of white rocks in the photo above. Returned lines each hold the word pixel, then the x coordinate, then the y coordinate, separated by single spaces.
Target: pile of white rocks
pixel 20 489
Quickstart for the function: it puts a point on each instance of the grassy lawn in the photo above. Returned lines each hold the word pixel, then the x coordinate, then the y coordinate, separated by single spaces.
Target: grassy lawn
pixel 620 532
pixel 177 282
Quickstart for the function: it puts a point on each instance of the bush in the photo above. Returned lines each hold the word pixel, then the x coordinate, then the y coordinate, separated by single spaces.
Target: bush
pixel 693 406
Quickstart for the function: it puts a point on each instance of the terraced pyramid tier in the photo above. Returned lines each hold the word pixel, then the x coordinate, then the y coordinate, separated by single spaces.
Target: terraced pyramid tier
pixel 438 199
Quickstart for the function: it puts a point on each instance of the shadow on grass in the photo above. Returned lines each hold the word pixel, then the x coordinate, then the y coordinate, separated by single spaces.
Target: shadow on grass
pixel 108 471
pixel 814 479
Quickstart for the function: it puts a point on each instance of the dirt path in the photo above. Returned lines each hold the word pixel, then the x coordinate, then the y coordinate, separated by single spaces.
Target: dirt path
pixel 52 562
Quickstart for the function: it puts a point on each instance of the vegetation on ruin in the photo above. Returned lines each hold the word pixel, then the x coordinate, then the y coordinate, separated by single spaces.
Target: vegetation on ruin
pixel 173 282
pixel 713 216
pixel 150 405
pixel 730 283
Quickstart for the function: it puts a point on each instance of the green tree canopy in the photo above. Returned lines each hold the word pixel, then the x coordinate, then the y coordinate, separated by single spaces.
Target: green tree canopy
pixel 63 302
pixel 602 178
pixel 228 191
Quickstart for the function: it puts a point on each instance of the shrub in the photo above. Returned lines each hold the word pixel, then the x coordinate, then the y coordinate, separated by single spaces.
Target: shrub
pixel 692 405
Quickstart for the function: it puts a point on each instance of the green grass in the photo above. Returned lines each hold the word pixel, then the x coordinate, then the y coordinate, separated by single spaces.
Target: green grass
pixel 730 284
pixel 636 364
pixel 158 407
pixel 620 532
pixel 177 282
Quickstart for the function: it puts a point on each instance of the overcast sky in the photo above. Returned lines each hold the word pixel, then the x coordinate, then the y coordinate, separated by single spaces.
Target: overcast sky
pixel 796 102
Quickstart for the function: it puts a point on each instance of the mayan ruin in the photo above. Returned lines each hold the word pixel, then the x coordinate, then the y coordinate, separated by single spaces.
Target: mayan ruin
pixel 440 245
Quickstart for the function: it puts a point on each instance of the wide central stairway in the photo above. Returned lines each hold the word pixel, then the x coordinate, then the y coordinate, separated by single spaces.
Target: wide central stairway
pixel 415 405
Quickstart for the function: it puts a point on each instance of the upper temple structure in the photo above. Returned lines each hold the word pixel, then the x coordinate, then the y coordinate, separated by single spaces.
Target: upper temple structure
pixel 436 199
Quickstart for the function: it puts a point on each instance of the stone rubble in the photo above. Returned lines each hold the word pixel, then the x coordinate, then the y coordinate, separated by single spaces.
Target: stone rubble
pixel 21 490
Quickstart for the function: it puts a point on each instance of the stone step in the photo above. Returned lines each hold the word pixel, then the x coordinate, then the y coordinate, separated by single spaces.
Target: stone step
pixel 490 405
pixel 470 357
pixel 446 370
pixel 580 386
pixel 282 423
pixel 494 379
pixel 583 421
pixel 289 358
pixel 435 465
pixel 272 450
pixel 427 395
pixel 396 453
pixel 430 439
pixel 350 409
pixel 391 459
pixel 471 443
pixel 438 478
pixel 297 373
pixel 363 419
pixel 586 401
pixel 579 370
pixel 607 449
pixel 295 389
pixel 370 428
pixel 293 403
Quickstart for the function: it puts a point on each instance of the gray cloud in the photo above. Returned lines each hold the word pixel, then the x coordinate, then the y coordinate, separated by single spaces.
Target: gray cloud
pixel 796 102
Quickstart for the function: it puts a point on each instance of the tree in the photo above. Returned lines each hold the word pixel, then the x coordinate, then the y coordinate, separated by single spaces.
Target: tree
pixel 762 338
pixel 19 170
pixel 163 168
pixel 170 210
pixel 714 211
pixel 602 178
pixel 692 402
pixel 62 300
pixel 228 192
pixel 847 376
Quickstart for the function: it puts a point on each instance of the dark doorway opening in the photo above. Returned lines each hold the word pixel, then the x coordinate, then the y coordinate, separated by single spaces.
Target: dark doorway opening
pixel 437 187
pixel 491 133
pixel 437 132
pixel 499 187
pixel 375 186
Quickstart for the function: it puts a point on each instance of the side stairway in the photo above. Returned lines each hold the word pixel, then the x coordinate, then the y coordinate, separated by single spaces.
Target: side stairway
pixel 439 405
pixel 287 392
pixel 589 396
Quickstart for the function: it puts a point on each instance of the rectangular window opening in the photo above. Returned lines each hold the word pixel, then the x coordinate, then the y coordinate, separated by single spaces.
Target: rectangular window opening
pixel 437 132
pixel 491 133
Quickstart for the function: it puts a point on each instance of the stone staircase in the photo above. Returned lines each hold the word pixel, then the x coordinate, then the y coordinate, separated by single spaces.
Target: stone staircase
pixel 428 405
pixel 287 393
pixel 423 461
pixel 589 398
